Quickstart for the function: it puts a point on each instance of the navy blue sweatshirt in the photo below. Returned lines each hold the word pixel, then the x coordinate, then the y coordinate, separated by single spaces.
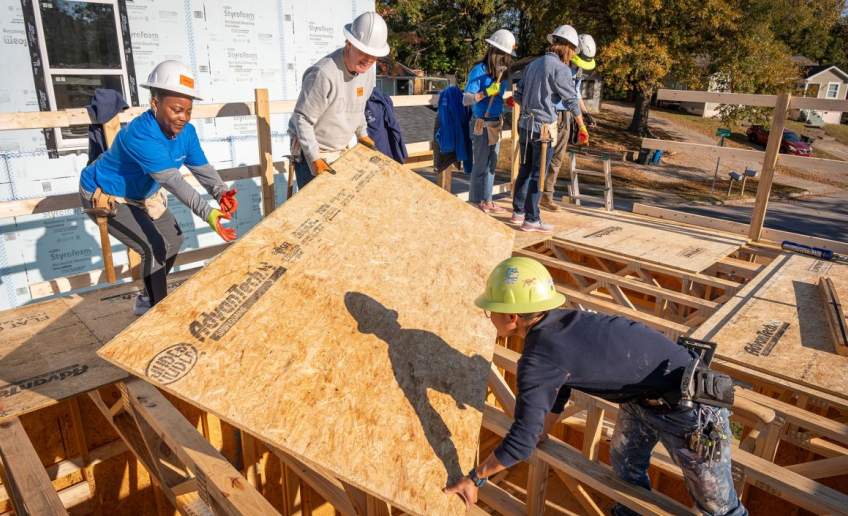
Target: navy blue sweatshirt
pixel 607 356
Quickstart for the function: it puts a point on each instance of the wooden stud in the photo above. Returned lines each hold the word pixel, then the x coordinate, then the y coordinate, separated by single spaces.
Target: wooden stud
pixel 580 494
pixel 608 199
pixel 593 432
pixel 574 188
pixel 515 163
pixel 266 159
pixel 23 474
pixel 537 486
pixel 769 164
pixel 503 394
pixel 835 315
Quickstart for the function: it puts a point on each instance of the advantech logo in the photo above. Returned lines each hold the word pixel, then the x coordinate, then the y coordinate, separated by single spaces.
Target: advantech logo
pixel 9 390
pixel 239 298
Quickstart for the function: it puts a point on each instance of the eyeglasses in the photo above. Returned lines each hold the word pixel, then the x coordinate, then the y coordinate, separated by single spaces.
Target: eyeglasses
pixel 488 314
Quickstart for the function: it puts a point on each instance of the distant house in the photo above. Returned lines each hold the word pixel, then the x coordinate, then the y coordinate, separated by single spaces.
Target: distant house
pixel 394 78
pixel 823 82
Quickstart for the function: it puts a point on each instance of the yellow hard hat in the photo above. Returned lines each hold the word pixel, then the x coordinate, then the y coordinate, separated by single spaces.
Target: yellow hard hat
pixel 520 285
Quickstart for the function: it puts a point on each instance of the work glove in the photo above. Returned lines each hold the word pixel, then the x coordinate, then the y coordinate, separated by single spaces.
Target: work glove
pixel 510 102
pixel 368 142
pixel 319 166
pixel 582 135
pixel 228 202
pixel 590 120
pixel 214 221
pixel 493 89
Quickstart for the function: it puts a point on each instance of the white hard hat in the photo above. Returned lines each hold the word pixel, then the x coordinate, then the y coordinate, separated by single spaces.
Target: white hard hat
pixel 585 57
pixel 503 39
pixel 566 32
pixel 369 33
pixel 172 76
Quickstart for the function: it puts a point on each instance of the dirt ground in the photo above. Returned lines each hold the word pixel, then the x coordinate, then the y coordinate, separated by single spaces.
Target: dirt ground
pixel 685 176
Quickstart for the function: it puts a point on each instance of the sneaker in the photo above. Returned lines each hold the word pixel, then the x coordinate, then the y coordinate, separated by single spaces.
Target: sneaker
pixel 549 205
pixel 142 304
pixel 538 227
pixel 517 219
pixel 484 207
pixel 494 208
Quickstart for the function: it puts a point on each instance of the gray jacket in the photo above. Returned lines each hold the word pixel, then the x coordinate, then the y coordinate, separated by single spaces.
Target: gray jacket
pixel 545 82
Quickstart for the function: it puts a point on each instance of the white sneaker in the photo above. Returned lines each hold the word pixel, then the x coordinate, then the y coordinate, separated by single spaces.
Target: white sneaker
pixel 142 304
pixel 538 227
pixel 517 219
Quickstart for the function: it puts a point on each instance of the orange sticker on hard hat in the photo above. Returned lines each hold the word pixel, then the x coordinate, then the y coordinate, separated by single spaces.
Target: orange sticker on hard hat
pixel 360 91
pixel 186 81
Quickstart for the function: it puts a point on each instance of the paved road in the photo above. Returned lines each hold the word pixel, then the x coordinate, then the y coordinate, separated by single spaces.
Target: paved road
pixel 822 216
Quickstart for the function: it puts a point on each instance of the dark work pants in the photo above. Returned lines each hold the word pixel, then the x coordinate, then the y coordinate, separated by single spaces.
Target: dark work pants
pixel 156 241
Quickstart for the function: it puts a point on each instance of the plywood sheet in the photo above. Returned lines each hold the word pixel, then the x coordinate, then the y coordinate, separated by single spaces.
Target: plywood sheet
pixel 48 349
pixel 342 330
pixel 654 241
pixel 777 324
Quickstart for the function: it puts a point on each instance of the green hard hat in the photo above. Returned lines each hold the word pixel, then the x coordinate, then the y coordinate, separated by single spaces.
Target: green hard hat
pixel 520 285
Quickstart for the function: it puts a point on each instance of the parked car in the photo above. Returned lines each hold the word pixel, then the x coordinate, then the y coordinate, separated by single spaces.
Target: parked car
pixel 790 144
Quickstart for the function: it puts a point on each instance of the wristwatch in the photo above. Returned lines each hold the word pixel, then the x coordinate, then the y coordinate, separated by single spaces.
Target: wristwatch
pixel 472 475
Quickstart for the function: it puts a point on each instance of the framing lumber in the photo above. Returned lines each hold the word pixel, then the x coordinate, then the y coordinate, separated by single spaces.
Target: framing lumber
pixel 835 315
pixel 24 477
pixel 769 164
pixel 266 159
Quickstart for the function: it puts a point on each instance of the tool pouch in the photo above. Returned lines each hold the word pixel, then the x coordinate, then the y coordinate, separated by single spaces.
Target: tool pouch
pixel 493 131
pixel 478 126
pixel 706 386
pixel 102 204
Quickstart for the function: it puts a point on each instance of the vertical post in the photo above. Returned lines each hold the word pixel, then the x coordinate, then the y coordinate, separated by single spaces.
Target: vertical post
pixel 266 160
pixel 769 163
pixel 110 131
pixel 718 162
pixel 575 182
pixel 516 148
pixel 608 201
pixel 537 485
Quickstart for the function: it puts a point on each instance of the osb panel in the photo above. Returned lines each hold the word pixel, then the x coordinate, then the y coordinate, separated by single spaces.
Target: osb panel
pixel 685 248
pixel 342 329
pixel 777 324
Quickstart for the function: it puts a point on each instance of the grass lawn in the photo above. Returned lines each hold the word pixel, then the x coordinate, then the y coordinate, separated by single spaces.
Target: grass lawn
pixel 838 131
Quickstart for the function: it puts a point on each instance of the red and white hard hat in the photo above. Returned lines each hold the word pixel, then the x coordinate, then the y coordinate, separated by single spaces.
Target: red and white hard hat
pixel 172 76
pixel 369 33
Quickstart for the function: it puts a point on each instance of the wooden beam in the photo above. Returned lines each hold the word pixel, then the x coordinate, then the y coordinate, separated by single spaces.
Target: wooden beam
pixel 769 164
pixel 330 488
pixel 266 158
pixel 221 481
pixel 501 501
pixel 743 99
pixel 593 433
pixel 23 474
pixel 822 468
pixel 835 315
pixel 503 394
pixel 537 485
pixel 595 475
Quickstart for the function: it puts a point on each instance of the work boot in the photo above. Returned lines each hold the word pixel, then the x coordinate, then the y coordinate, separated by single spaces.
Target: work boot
pixel 549 204
pixel 537 227
pixel 142 304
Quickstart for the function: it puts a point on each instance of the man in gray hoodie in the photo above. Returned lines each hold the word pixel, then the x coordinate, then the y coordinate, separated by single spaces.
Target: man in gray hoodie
pixel 329 116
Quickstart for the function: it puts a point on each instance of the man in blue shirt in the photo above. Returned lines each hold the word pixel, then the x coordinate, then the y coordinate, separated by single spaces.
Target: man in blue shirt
pixel 609 357
pixel 146 156
pixel 487 82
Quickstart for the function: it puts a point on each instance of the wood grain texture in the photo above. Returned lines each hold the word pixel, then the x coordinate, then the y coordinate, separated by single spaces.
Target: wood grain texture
pixel 777 324
pixel 635 237
pixel 342 330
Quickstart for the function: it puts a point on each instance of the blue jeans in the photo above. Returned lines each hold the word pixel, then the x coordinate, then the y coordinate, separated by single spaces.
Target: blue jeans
pixel 302 172
pixel 525 198
pixel 485 159
pixel 638 430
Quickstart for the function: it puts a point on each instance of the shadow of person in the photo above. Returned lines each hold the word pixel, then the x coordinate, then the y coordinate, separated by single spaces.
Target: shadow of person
pixel 422 360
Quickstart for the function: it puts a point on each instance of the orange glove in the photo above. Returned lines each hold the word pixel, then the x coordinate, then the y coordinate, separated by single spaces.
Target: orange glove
pixel 368 142
pixel 214 221
pixel 319 166
pixel 228 202
pixel 582 135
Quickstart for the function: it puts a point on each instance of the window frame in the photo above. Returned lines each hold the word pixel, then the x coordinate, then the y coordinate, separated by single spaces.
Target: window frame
pixel 63 143
pixel 827 90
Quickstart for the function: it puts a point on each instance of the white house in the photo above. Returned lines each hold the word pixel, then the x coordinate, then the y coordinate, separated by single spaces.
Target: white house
pixel 823 82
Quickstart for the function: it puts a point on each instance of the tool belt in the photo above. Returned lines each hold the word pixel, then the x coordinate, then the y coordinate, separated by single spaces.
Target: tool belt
pixel 700 384
pixel 105 205
pixel 493 129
